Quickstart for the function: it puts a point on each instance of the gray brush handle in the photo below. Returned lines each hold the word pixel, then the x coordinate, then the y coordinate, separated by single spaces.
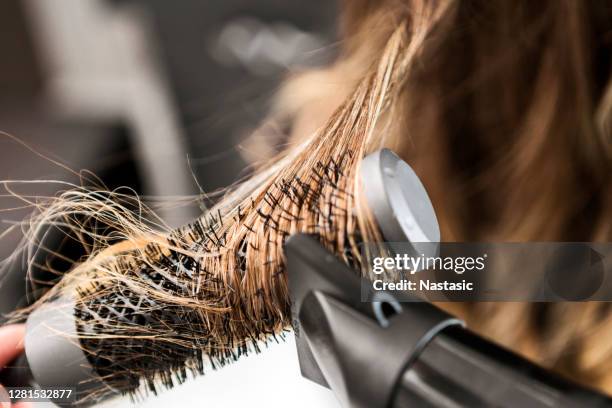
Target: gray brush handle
pixel 53 357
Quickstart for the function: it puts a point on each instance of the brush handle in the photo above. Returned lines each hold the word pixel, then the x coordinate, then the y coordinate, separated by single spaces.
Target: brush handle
pixel 53 357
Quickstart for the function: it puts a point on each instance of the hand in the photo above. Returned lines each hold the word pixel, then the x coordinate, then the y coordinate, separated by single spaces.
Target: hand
pixel 11 345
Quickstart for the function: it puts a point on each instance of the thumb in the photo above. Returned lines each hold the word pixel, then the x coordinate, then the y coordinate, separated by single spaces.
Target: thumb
pixel 11 343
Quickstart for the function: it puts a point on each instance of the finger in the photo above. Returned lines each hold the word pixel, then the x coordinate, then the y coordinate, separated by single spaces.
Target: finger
pixel 22 405
pixel 11 342
pixel 5 401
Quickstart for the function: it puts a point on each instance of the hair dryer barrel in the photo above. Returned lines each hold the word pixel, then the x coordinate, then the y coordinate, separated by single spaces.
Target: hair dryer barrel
pixel 459 368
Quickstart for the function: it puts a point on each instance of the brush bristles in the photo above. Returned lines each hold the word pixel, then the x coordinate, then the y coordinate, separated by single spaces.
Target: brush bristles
pixel 216 290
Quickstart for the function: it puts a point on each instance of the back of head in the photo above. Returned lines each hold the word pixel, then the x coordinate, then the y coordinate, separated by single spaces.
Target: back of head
pixel 505 112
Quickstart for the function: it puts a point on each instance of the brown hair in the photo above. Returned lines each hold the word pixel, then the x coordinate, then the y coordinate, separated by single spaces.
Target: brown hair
pixel 505 115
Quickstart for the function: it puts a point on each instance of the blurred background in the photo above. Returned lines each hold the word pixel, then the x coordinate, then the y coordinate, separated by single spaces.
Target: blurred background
pixel 157 96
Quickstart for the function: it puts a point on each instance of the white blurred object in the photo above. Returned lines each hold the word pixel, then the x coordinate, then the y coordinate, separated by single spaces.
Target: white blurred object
pixel 102 65
pixel 263 48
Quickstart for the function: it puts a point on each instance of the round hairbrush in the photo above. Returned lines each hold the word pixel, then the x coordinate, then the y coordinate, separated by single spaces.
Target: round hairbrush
pixel 114 337
pixel 120 337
